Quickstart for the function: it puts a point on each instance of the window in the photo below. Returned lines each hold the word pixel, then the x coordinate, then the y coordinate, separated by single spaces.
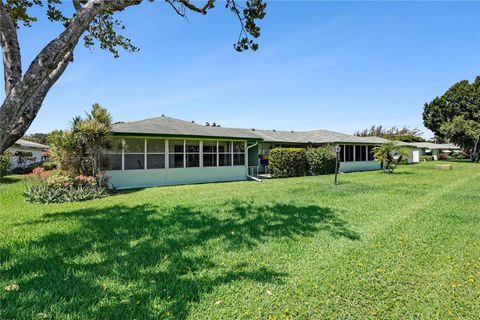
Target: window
pixel 193 153
pixel 360 153
pixel 370 153
pixel 155 154
pixel 239 153
pixel 113 156
pixel 349 153
pixel 209 153
pixel 224 153
pixel 176 153
pixel 134 154
pixel 342 153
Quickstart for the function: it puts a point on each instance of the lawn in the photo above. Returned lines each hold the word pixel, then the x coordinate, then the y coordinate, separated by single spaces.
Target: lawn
pixel 377 246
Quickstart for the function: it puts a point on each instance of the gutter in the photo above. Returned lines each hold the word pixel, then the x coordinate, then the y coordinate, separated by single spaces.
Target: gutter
pixel 249 176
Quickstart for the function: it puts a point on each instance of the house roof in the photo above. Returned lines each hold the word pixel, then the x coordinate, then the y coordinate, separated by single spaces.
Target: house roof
pixel 429 145
pixel 30 144
pixel 167 126
pixel 315 136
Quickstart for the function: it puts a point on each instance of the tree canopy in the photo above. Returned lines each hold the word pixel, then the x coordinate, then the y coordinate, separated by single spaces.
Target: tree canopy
pixel 456 116
pixel 394 133
pixel 95 23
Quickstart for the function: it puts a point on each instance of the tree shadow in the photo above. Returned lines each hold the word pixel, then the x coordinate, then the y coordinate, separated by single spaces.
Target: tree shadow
pixel 144 261
pixel 9 180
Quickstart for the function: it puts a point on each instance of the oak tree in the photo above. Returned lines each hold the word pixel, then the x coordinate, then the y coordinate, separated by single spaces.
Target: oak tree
pixel 93 21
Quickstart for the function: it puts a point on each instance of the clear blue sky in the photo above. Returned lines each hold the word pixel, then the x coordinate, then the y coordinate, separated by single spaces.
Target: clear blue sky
pixel 321 65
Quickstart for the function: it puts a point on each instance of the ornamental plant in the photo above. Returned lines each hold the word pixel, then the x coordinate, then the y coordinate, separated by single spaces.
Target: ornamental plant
pixel 288 162
pixel 5 164
pixel 321 160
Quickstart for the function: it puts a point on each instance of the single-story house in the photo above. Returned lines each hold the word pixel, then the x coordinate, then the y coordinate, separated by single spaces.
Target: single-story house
pixel 167 151
pixel 25 152
pixel 419 149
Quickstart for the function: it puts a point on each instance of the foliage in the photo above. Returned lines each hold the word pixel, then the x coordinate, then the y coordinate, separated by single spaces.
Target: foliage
pixel 321 160
pixel 394 133
pixel 426 158
pixel 5 164
pixel 390 156
pixel 60 186
pixel 295 248
pixel 288 162
pixel 442 156
pixel 456 116
pixel 41 138
pixel 48 165
pixel 79 150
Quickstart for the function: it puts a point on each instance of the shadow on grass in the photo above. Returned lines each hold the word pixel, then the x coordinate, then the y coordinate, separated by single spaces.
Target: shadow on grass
pixel 9 180
pixel 143 261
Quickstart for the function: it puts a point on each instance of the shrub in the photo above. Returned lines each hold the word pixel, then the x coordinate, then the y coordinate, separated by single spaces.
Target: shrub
pixel 426 158
pixel 321 160
pixel 49 165
pixel 5 164
pixel 59 186
pixel 288 162
pixel 442 156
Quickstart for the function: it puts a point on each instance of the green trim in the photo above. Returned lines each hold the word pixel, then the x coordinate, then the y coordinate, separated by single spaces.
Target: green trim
pixel 180 136
pixel 324 143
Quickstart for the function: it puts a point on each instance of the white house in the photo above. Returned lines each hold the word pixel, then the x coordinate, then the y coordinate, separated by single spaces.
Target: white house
pixel 26 152
pixel 419 149
pixel 168 151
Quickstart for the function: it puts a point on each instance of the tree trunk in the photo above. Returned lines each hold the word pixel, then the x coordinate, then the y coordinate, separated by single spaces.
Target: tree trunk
pixel 24 99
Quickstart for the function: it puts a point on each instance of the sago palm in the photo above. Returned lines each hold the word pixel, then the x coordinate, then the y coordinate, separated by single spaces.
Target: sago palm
pixel 390 155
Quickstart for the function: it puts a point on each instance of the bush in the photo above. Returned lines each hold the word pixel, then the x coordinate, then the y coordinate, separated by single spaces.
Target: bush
pixel 426 158
pixel 49 165
pixel 5 164
pixel 58 186
pixel 321 160
pixel 288 162
pixel 442 156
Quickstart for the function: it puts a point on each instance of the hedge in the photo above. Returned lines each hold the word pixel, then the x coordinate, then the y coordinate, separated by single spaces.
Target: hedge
pixel 321 160
pixel 426 158
pixel 288 162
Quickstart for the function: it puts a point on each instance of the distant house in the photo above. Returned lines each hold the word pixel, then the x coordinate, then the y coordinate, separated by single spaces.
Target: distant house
pixel 419 149
pixel 26 152
pixel 168 151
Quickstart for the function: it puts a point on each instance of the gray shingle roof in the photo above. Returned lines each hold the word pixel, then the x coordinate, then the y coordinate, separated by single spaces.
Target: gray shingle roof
pixel 174 127
pixel 429 145
pixel 30 144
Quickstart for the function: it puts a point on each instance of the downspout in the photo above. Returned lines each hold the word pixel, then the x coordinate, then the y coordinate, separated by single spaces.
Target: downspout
pixel 249 176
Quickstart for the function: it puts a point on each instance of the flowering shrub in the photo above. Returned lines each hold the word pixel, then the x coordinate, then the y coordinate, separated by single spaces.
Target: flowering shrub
pixel 442 156
pixel 60 186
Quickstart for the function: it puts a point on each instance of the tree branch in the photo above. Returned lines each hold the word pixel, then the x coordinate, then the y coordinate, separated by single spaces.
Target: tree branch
pixel 12 64
pixel 77 4
pixel 202 10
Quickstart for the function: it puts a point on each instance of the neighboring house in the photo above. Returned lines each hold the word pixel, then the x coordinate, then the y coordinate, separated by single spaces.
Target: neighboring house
pixel 26 152
pixel 419 149
pixel 168 151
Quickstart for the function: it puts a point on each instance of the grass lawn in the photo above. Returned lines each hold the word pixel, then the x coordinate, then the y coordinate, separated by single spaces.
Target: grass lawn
pixel 400 246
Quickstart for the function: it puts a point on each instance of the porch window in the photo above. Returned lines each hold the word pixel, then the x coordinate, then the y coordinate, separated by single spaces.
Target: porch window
pixel 134 154
pixel 193 153
pixel 224 153
pixel 360 153
pixel 370 153
pixel 238 153
pixel 155 153
pixel 349 153
pixel 113 155
pixel 209 153
pixel 176 153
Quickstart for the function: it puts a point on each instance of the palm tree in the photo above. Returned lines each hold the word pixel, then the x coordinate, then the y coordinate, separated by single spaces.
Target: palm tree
pixel 390 155
pixel 94 133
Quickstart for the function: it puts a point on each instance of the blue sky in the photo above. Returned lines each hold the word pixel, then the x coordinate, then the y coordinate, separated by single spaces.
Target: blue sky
pixel 321 65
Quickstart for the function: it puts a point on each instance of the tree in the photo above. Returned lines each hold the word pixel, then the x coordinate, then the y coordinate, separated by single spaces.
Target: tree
pixel 390 155
pixel 94 19
pixel 37 137
pixel 456 116
pixel 404 134
pixel 80 149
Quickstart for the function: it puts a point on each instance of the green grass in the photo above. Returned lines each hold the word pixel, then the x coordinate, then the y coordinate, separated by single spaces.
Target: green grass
pixel 377 246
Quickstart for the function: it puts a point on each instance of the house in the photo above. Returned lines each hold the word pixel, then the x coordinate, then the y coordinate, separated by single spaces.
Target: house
pixel 25 152
pixel 419 149
pixel 167 151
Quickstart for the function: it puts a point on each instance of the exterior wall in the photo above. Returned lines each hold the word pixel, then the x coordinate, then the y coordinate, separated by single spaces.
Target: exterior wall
pixel 37 153
pixel 359 166
pixel 164 177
